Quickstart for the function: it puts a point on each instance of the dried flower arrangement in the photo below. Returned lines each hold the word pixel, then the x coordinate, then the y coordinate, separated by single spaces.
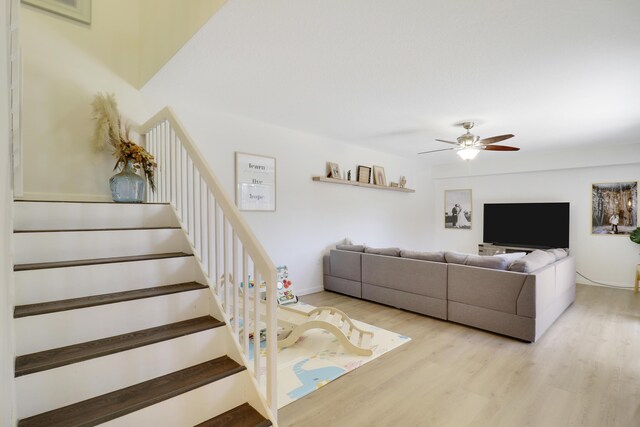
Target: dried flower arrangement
pixel 110 131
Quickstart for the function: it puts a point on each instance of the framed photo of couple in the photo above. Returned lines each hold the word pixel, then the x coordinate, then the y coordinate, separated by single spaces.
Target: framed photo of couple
pixel 457 209
pixel 614 208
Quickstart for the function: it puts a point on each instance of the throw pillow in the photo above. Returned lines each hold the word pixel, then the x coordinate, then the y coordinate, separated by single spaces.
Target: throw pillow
pixel 424 256
pixel 455 257
pixel 532 261
pixel 511 256
pixel 558 254
pixel 352 248
pixel 383 251
pixel 493 262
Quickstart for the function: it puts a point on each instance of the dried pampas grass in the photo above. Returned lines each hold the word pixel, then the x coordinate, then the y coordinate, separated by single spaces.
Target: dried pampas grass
pixel 107 117
pixel 111 131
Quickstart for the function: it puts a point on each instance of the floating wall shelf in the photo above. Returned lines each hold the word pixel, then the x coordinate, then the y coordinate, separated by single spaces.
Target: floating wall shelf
pixel 361 184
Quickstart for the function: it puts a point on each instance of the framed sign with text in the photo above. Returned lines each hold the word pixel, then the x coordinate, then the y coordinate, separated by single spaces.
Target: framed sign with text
pixel 255 182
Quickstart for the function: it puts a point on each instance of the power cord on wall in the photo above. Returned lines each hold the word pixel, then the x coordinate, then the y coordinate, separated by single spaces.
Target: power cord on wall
pixel 606 285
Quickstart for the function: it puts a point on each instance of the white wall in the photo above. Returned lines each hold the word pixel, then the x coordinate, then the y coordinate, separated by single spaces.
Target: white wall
pixel 65 64
pixel 6 258
pixel 310 216
pixel 603 258
pixel 165 25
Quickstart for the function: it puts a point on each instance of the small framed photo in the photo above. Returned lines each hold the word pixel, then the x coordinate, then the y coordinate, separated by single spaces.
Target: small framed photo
pixel 379 178
pixel 333 171
pixel 364 174
pixel 614 208
pixel 457 209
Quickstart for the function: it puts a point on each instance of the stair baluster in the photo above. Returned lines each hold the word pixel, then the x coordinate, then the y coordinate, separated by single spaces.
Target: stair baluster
pixel 208 215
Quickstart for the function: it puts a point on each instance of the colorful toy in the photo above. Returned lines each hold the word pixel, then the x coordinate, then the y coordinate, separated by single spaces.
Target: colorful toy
pixel 295 320
pixel 284 294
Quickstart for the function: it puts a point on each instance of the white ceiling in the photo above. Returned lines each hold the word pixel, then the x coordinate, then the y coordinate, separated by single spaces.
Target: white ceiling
pixel 395 75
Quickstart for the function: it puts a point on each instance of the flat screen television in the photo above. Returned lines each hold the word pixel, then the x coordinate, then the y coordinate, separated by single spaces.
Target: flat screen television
pixel 534 225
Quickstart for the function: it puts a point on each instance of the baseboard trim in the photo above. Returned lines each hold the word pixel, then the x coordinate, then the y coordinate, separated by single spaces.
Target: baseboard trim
pixel 313 290
pixel 307 291
pixel 65 197
pixel 609 285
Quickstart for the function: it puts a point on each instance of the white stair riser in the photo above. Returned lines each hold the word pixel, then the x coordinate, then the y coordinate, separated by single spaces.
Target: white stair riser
pixel 36 286
pixel 191 408
pixel 47 390
pixel 79 216
pixel 68 246
pixel 53 330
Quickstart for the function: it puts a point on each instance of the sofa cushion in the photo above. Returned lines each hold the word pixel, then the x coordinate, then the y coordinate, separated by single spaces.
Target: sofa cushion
pixel 455 257
pixel 352 248
pixel 382 251
pixel 532 261
pixel 494 262
pixel 326 264
pixel 484 287
pixel 346 265
pixel 510 257
pixel 434 307
pixel 558 254
pixel 424 256
pixel 408 275
pixel 343 286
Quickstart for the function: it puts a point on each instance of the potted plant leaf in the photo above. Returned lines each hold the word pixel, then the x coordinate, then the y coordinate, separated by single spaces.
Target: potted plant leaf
pixel 635 236
pixel 126 186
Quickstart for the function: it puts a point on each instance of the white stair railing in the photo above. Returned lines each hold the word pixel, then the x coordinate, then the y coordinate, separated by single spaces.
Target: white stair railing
pixel 221 239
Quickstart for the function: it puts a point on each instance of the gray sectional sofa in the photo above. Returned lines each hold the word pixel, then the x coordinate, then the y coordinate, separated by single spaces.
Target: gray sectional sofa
pixel 459 287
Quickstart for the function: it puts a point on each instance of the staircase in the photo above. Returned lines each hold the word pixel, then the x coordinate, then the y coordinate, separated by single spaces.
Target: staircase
pixel 115 323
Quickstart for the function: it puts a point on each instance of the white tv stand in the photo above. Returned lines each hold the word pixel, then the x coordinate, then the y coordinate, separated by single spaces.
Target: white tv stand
pixel 491 249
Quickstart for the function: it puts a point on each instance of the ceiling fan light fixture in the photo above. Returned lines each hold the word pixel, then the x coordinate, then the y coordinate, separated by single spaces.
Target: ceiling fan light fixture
pixel 469 145
pixel 468 153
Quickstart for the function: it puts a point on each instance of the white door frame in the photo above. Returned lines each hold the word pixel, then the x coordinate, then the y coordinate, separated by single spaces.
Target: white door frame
pixel 15 93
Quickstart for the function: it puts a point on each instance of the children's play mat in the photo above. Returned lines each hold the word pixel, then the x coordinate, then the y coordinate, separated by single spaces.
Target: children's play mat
pixel 318 358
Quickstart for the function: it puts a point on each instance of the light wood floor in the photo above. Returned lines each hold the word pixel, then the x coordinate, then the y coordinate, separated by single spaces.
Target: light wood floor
pixel 585 371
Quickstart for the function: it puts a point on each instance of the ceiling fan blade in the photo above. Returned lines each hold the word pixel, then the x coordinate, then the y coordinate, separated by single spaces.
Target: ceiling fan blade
pixel 494 139
pixel 448 142
pixel 435 151
pixel 498 148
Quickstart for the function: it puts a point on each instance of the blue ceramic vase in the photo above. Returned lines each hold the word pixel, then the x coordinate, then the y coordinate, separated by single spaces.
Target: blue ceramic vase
pixel 127 186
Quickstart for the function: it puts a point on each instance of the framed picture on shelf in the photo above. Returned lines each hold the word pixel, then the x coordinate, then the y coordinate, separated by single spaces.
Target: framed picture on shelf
pixel 255 182
pixel 78 10
pixel 364 174
pixel 379 178
pixel 457 209
pixel 333 171
pixel 614 208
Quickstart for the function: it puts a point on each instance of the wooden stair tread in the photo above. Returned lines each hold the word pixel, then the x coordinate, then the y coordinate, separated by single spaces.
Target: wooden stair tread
pixel 83 262
pixel 78 230
pixel 54 358
pixel 94 300
pixel 112 405
pixel 240 416
pixel 88 201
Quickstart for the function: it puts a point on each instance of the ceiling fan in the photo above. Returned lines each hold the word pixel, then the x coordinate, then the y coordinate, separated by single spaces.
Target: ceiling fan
pixel 469 145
